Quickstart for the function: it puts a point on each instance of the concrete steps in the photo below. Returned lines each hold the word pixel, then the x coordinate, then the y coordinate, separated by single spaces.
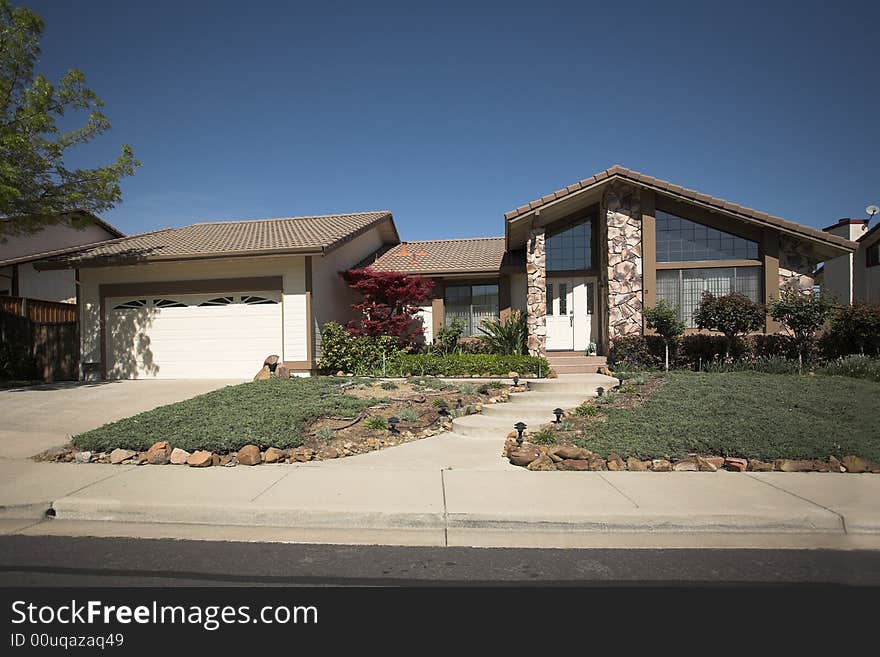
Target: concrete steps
pixel 574 362
pixel 534 408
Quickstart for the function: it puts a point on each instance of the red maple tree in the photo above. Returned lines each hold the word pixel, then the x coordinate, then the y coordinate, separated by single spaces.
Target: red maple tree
pixel 390 303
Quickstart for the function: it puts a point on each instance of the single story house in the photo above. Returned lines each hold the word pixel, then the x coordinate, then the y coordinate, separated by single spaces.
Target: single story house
pixel 212 300
pixel 854 276
pixel 19 253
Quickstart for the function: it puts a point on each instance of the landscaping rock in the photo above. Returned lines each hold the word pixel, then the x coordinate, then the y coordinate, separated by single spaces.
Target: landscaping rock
pixel 524 455
pixel 572 452
pixel 328 453
pixel 855 464
pixel 685 465
pixel 574 464
pixel 282 372
pixel 542 463
pixel 790 465
pixel 552 374
pixel 200 459
pixel 598 463
pixel 717 461
pixel 821 466
pixel 553 457
pixel 835 464
pixel 249 455
pixel 118 455
pixel 511 375
pixel 228 461
pixel 215 460
pixel 760 466
pixel 615 463
pixel 179 456
pixel 661 465
pixel 263 374
pixel 273 455
pixel 159 453
pixel 141 458
pixel 736 465
pixel 271 361
pixel 82 457
pixel 704 465
pixel 637 466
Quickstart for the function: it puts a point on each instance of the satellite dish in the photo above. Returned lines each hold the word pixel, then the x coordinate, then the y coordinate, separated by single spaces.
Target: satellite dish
pixel 872 210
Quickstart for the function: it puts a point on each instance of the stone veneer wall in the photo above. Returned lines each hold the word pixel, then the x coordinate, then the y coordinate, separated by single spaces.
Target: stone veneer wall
pixel 796 265
pixel 536 293
pixel 623 216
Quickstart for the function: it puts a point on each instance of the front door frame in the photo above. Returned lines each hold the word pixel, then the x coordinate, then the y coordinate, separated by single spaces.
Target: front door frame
pixel 577 306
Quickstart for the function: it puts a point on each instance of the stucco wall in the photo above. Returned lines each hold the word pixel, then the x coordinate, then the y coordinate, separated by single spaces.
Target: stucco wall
pixel 51 238
pixel 47 285
pixel 518 292
pixel 866 280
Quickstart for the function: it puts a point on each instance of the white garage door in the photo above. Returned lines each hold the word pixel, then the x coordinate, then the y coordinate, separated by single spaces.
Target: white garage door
pixel 192 336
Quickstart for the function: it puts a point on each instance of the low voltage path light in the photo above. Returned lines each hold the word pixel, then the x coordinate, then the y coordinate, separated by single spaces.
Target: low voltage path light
pixel 443 413
pixel 392 424
pixel 620 380
pixel 600 391
pixel 520 427
pixel 558 413
pixel 460 403
pixel 516 381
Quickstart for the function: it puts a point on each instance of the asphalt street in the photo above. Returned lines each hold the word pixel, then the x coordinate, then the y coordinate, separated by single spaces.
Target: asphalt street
pixel 82 561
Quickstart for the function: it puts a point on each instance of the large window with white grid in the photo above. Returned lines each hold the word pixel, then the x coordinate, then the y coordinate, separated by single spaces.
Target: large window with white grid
pixel 683 288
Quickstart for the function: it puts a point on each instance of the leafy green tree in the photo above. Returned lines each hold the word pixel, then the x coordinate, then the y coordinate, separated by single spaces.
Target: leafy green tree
pixel 663 318
pixel 36 187
pixel 855 329
pixel 733 315
pixel 803 315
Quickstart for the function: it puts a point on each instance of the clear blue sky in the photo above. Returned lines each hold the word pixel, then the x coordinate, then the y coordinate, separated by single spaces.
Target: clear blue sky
pixel 451 114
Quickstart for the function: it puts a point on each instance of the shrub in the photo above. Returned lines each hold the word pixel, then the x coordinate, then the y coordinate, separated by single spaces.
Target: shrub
pixel 854 329
pixel 630 352
pixel 663 318
pixel 733 315
pixel 389 385
pixel 448 336
pixel 771 365
pixel 467 388
pixel 408 414
pixel 497 384
pixel 586 410
pixel 803 315
pixel 439 403
pixel 467 365
pixel 507 335
pixel 859 367
pixel 325 434
pixel 376 423
pixel 358 354
pixel 543 437
pixel 473 346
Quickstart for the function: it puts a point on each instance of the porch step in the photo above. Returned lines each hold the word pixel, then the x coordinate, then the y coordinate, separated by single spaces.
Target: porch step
pixel 575 362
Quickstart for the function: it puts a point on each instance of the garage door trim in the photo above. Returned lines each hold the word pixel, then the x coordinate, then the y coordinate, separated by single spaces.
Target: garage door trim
pixel 204 286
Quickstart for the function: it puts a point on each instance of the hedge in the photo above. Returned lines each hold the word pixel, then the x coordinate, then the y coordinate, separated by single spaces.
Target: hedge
pixel 466 365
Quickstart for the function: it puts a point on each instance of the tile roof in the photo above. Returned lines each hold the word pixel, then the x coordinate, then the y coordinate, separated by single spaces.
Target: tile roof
pixel 213 239
pixel 666 187
pixel 477 254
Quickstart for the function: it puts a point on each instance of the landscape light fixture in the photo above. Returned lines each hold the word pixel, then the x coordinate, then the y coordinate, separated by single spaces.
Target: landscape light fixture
pixel 392 424
pixel 516 381
pixel 620 380
pixel 443 413
pixel 520 427
pixel 460 403
pixel 558 413
pixel 600 391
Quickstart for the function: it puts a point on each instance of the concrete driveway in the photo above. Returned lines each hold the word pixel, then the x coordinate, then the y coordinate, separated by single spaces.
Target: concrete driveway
pixel 36 418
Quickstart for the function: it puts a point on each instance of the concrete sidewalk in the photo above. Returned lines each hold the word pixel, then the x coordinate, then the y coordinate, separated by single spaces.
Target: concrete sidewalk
pixel 321 502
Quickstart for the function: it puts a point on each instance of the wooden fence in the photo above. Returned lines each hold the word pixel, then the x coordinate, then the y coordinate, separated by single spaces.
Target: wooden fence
pixel 38 350
pixel 36 310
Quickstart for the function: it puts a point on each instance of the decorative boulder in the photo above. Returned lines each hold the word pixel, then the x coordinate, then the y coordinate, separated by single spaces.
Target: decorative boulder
pixel 159 453
pixel 271 362
pixel 524 455
pixel 179 456
pixel 574 464
pixel 572 452
pixel 117 456
pixel 542 463
pixel 855 464
pixel 635 465
pixel 200 459
pixel 249 455
pixel 263 374
pixel 273 455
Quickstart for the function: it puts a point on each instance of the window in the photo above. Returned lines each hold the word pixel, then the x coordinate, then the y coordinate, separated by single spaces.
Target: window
pixel 471 304
pixel 682 240
pixel 168 303
pixel 872 256
pixel 570 249
pixel 135 303
pixel 683 288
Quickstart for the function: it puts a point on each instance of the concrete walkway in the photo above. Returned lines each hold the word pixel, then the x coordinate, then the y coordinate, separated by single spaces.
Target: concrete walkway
pixel 451 489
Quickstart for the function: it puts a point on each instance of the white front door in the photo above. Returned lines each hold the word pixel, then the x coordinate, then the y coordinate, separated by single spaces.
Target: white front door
pixel 570 303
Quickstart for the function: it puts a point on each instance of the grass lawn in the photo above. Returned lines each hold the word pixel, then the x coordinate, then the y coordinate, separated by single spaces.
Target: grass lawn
pixel 746 414
pixel 267 413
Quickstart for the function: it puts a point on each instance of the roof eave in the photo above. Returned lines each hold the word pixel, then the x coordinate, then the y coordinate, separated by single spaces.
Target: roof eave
pixel 116 261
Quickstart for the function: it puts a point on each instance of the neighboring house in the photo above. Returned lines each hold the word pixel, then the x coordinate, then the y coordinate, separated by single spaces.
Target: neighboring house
pixel 854 276
pixel 212 300
pixel 585 260
pixel 19 253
